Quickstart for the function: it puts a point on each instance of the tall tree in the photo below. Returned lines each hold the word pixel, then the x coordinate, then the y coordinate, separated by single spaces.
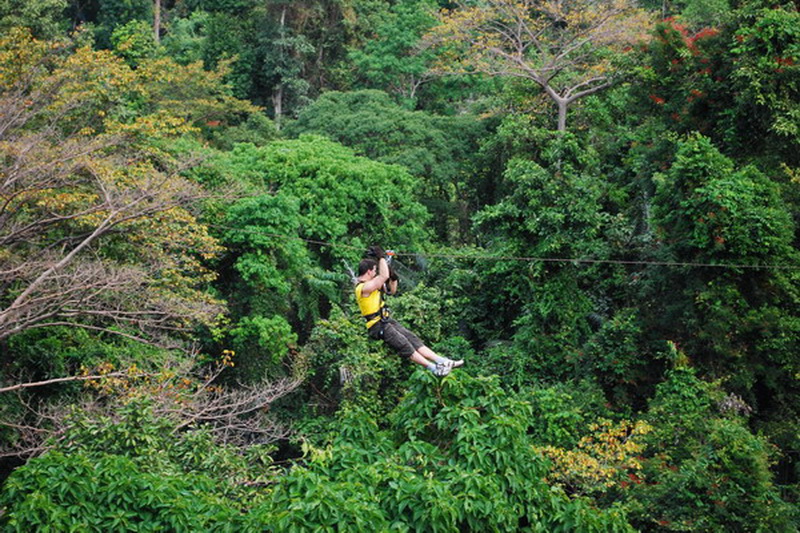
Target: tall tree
pixel 283 62
pixel 391 60
pixel 766 79
pixel 736 83
pixel 567 48
pixel 95 219
pixel 45 18
pixel 114 13
pixel 157 20
pixel 543 306
pixel 739 321
pixel 437 150
pixel 283 51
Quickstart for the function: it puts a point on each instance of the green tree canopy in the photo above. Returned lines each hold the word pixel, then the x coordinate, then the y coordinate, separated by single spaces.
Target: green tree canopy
pixel 461 460
pixel 436 150
pixel 393 59
pixel 44 18
pixel 311 209
pixel 715 475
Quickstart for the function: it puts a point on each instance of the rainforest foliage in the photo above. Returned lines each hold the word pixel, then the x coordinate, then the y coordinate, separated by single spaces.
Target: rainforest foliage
pixel 595 204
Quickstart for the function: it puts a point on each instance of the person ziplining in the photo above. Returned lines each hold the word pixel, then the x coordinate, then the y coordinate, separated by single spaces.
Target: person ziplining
pixel 375 280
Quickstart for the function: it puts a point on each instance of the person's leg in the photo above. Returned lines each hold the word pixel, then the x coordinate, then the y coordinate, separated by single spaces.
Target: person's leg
pixel 430 355
pixel 406 343
pixel 419 359
pixel 423 355
pixel 399 339
pixel 440 368
pixel 421 351
pixel 409 345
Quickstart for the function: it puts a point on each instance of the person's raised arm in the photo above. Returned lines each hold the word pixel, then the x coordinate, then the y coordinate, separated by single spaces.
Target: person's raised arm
pixel 391 285
pixel 380 278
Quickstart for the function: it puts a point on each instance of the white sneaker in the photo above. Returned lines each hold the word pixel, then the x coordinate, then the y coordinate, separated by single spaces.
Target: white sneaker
pixel 456 364
pixel 442 369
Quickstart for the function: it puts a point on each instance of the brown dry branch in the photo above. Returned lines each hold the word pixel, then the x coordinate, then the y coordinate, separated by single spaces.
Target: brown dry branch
pixel 53 381
pixel 233 416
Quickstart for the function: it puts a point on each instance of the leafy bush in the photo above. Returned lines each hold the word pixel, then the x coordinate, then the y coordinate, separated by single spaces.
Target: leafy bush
pixel 703 469
pixel 134 42
pixel 616 358
pixel 603 460
pixel 267 341
pixel 87 492
pixel 135 472
pixel 454 456
pixel 353 370
pixel 556 418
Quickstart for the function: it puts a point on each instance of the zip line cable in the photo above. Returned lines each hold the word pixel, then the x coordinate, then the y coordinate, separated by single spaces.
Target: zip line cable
pixel 529 259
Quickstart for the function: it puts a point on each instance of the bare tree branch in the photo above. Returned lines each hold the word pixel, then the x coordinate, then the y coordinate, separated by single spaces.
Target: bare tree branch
pixel 238 417
pixel 554 44
pixel 66 379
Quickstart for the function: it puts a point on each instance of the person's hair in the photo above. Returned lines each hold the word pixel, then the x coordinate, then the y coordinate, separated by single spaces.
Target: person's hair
pixel 366 265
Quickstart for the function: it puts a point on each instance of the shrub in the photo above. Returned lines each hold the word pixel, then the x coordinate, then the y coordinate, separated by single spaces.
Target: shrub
pixel 455 456
pixel 86 492
pixel 703 469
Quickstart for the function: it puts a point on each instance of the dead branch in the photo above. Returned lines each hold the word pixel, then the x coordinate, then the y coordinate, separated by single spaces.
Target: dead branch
pixel 66 379
pixel 234 416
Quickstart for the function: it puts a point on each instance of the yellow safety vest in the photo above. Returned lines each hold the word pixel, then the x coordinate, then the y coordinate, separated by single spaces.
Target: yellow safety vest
pixel 372 307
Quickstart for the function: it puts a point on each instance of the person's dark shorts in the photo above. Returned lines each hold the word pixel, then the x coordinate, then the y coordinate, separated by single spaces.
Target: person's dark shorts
pixel 396 336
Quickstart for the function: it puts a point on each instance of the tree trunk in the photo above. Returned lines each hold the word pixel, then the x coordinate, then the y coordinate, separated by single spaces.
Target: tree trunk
pixel 559 100
pixel 277 93
pixel 157 20
pixel 562 114
pixel 277 105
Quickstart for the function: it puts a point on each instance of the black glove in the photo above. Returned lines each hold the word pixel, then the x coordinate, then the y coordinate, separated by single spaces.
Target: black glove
pixel 392 274
pixel 375 251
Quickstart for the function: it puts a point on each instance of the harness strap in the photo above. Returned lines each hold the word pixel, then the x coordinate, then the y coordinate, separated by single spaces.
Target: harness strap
pixel 383 312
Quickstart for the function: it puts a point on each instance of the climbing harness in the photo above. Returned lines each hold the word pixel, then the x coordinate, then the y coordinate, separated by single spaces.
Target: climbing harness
pixel 382 314
pixel 376 330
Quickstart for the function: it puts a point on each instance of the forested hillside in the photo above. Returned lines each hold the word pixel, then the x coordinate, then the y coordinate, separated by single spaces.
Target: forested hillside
pixel 594 203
